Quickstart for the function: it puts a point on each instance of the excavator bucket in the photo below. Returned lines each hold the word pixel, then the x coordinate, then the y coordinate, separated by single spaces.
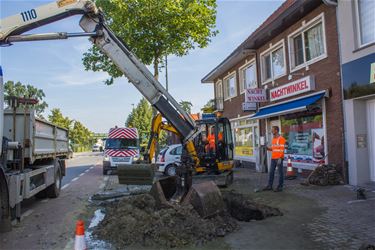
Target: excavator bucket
pixel 205 197
pixel 136 174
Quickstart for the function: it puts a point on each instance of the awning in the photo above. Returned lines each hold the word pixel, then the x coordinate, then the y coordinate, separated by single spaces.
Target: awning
pixel 291 106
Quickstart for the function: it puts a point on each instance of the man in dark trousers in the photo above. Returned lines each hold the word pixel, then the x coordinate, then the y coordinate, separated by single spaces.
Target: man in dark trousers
pixel 277 148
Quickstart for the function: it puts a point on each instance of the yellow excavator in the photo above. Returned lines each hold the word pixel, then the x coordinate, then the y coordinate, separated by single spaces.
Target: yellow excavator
pixel 208 145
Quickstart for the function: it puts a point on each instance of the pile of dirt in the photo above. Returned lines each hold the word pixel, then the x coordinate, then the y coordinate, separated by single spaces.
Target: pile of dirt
pixel 136 220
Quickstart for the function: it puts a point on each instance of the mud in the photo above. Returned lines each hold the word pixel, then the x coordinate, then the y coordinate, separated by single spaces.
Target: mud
pixel 137 221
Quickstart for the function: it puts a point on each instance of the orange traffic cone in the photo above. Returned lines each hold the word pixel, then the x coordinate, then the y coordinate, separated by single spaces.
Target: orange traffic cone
pixel 290 174
pixel 79 243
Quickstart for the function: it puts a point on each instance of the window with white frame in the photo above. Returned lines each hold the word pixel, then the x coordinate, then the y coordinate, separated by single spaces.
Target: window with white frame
pixel 219 90
pixel 273 63
pixel 230 89
pixel 219 96
pixel 248 79
pixel 366 21
pixel 308 44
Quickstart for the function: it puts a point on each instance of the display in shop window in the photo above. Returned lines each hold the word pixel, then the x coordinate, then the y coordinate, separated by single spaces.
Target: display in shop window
pixel 304 133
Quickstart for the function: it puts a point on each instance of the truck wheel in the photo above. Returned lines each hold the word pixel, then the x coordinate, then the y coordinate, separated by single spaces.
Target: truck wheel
pixel 5 225
pixel 53 191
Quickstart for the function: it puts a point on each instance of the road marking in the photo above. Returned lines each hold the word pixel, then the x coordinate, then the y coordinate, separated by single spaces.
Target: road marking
pixel 75 179
pixel 65 186
pixel 81 174
pixel 44 200
pixel 92 167
pixel 86 171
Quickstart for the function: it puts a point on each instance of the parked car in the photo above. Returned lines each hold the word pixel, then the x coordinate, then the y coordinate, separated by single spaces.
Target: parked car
pixel 169 158
pixel 96 148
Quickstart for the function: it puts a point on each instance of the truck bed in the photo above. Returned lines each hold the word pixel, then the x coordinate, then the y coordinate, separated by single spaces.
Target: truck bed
pixel 42 138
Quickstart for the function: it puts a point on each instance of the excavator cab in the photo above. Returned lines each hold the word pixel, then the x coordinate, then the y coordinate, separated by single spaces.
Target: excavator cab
pixel 214 146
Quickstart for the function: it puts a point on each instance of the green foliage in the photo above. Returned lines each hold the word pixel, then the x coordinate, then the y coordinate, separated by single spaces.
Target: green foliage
pixel 209 107
pixel 153 29
pixel 186 105
pixel 141 118
pixel 20 90
pixel 80 136
pixel 57 118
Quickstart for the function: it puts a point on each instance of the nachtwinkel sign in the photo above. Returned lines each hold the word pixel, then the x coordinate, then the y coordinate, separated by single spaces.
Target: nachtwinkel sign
pixel 294 88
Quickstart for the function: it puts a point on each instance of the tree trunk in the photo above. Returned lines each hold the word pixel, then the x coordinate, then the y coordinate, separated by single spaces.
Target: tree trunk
pixel 156 68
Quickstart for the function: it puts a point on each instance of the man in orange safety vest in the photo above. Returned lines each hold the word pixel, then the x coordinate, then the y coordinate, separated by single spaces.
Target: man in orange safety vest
pixel 277 148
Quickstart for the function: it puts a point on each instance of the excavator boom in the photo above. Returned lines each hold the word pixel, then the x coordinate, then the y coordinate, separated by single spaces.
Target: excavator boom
pixel 92 22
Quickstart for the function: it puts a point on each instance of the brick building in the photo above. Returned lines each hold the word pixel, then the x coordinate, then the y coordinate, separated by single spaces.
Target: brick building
pixel 292 61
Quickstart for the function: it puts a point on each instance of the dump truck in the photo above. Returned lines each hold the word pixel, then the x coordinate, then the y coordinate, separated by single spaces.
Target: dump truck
pixel 32 161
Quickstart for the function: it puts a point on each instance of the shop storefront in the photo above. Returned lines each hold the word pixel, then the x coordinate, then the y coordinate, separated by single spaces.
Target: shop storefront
pixel 245 134
pixel 301 121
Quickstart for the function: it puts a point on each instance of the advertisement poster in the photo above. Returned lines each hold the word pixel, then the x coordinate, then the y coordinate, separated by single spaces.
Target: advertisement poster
pixel 318 144
pixel 244 151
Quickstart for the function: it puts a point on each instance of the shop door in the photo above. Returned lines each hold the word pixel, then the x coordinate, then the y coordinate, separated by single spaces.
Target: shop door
pixel 371 136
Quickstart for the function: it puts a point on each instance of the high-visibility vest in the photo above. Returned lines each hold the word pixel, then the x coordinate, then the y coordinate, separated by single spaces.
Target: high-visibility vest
pixel 211 141
pixel 278 147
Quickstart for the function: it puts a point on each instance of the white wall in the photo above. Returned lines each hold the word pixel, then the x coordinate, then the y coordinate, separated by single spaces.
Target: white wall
pixel 347 24
pixel 358 158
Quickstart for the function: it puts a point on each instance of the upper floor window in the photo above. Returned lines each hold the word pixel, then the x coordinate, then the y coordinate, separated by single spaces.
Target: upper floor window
pixel 366 21
pixel 307 45
pixel 219 90
pixel 230 89
pixel 273 63
pixel 219 98
pixel 248 79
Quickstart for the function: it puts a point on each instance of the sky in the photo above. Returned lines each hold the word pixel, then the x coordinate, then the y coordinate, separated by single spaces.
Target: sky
pixel 56 66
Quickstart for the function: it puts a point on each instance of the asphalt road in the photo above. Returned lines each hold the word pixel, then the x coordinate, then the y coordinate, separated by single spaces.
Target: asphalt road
pixel 50 223
pixel 79 164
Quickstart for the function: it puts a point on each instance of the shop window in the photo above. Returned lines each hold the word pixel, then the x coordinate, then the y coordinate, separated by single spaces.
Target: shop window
pixel 248 77
pixel 273 63
pixel 304 134
pixel 366 21
pixel 307 45
pixel 230 89
pixel 245 132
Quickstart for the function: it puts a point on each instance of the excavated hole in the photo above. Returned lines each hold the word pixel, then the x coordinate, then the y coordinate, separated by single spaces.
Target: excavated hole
pixel 244 209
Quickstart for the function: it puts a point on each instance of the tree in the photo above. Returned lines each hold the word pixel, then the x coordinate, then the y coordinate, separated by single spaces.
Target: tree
pixel 154 29
pixel 186 105
pixel 209 107
pixel 20 90
pixel 57 118
pixel 80 136
pixel 141 118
